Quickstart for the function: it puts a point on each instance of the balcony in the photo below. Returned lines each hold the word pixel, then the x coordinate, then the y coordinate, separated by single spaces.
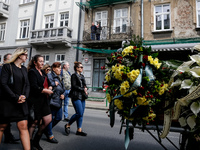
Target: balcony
pixel 52 36
pixel 109 36
pixel 4 10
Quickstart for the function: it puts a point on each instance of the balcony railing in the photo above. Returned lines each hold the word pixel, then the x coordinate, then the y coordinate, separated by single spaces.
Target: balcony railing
pixel 119 32
pixel 51 35
pixel 4 9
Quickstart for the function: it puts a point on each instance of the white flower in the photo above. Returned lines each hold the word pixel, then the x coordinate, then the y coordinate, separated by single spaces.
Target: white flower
pixel 183 69
pixel 195 107
pixel 182 121
pixel 176 83
pixel 195 71
pixel 191 121
pixel 186 84
pixel 195 58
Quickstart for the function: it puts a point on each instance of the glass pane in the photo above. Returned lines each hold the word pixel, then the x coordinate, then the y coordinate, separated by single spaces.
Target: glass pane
pixel 166 22
pixel 25 23
pixel 58 58
pixel 104 23
pixel 198 5
pixel 96 63
pixel 198 18
pixel 98 16
pixel 158 9
pixel 24 33
pixel 51 25
pixel 102 63
pixel 124 12
pixel 118 22
pixel 62 57
pixel 166 8
pixel 101 78
pixel 104 15
pixel 95 79
pixel 47 57
pixel 61 24
pixel 52 18
pixel 67 16
pixel 66 23
pixel 118 13
pixel 62 16
pixel 46 25
pixel 158 22
pixel 47 18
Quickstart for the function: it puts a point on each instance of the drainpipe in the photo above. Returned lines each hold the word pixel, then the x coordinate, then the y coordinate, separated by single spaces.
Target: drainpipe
pixel 142 20
pixel 79 28
pixel 33 27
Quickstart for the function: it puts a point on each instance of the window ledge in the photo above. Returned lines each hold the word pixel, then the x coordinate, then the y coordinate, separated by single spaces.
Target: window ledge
pixel 2 41
pixel 163 31
pixel 24 4
pixel 24 39
pixel 197 28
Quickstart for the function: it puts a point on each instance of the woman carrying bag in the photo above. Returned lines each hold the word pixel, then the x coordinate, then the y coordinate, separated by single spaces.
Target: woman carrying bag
pixel 56 99
pixel 78 95
pixel 15 90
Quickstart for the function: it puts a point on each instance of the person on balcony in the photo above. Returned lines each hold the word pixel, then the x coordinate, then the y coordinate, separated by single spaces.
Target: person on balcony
pixel 93 31
pixel 98 31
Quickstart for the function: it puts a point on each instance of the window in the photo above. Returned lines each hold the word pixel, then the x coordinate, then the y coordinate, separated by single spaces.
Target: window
pixel 198 13
pixel 2 31
pixel 101 17
pixel 49 21
pixel 162 17
pixel 27 1
pixel 60 57
pixel 64 19
pixel 120 20
pixel 98 74
pixel 24 29
pixel 46 58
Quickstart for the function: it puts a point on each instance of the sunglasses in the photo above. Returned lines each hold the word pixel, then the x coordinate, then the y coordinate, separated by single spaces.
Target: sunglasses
pixel 25 55
pixel 81 67
pixel 48 69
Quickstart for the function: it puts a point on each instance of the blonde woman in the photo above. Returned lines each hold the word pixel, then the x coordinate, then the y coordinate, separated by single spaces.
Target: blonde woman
pixel 14 92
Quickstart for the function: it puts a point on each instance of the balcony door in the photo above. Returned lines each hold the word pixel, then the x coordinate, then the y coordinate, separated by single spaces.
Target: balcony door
pixel 101 17
pixel 49 23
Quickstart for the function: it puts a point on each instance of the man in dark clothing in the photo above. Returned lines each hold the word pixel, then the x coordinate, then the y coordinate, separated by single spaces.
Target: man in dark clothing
pixel 93 31
pixel 98 31
pixel 9 138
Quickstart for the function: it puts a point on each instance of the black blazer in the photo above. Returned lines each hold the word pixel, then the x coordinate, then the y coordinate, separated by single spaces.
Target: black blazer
pixel 36 83
pixel 77 86
pixel 8 101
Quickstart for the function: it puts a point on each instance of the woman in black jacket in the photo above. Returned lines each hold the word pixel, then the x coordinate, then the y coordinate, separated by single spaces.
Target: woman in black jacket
pixel 78 95
pixel 15 90
pixel 55 80
pixel 38 99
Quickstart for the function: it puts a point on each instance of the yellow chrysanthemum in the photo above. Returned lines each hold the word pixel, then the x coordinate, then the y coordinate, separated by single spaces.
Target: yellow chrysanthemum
pixel 150 117
pixel 142 101
pixel 118 103
pixel 133 75
pixel 163 89
pixel 124 87
pixel 108 97
pixel 107 77
pixel 134 92
pixel 127 50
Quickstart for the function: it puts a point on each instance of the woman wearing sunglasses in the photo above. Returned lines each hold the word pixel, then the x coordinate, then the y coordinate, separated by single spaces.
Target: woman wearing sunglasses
pixel 78 95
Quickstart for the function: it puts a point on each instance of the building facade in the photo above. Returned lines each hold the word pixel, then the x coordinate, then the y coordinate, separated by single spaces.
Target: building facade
pixel 47 27
pixel 171 27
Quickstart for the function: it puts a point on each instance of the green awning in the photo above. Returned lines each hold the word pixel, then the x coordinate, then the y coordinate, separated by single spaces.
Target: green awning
pixel 104 51
pixel 100 3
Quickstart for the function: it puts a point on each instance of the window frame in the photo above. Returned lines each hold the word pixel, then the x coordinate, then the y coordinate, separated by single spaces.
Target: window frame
pixel 2 36
pixel 49 21
pixel 27 1
pixel 22 27
pixel 60 57
pixel 99 71
pixel 162 14
pixel 63 20
pixel 101 19
pixel 198 10
pixel 120 19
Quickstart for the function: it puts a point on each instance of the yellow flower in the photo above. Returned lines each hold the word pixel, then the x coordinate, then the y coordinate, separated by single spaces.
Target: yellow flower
pixel 133 75
pixel 150 117
pixel 127 50
pixel 124 87
pixel 158 65
pixel 134 92
pixel 150 59
pixel 107 77
pixel 142 101
pixel 108 97
pixel 118 103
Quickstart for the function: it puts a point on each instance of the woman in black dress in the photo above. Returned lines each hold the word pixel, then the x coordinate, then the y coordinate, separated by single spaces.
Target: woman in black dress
pixel 14 93
pixel 38 99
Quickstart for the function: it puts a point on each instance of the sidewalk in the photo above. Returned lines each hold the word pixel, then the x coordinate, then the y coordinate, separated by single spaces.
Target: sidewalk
pixel 94 105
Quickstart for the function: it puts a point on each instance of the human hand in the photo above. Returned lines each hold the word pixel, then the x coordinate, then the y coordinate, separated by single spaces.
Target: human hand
pixel 62 96
pixel 56 83
pixel 50 87
pixel 22 99
pixel 47 91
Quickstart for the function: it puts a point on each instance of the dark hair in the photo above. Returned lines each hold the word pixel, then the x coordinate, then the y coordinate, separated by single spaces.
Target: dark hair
pixel 31 62
pixel 76 64
pixel 5 56
pixel 56 65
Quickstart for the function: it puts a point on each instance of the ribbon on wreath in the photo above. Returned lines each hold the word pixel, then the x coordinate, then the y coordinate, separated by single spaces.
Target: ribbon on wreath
pixel 149 74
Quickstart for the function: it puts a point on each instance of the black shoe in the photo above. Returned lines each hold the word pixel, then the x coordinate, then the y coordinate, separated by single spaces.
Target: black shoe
pixel 53 140
pixel 67 130
pixel 11 139
pixel 81 133
pixel 66 119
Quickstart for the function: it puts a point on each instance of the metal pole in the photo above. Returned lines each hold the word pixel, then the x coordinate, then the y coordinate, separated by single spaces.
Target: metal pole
pixel 33 27
pixel 79 28
pixel 142 19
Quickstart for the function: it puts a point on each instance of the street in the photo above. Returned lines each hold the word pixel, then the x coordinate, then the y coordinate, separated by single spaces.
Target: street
pixel 100 136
